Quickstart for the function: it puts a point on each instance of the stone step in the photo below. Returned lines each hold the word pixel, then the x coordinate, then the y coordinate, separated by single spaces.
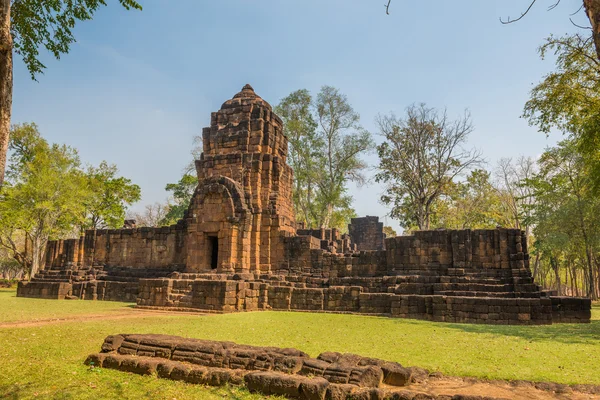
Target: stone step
pixel 476 294
pixel 475 287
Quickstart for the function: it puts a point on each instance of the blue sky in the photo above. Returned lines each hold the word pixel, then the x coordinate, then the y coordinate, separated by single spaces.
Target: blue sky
pixel 138 86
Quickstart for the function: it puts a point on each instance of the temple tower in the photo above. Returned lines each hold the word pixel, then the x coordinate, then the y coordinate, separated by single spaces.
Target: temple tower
pixel 242 207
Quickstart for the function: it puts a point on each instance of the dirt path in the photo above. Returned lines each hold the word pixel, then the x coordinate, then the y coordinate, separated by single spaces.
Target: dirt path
pixel 133 313
pixel 499 389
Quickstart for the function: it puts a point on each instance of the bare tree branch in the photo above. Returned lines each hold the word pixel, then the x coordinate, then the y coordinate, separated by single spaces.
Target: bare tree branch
pixel 579 26
pixel 510 21
pixel 579 9
pixel 387 7
pixel 553 6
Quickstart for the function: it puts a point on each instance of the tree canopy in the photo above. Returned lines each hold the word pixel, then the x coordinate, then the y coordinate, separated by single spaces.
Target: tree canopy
pixel 48 195
pixel 326 145
pixel 422 153
pixel 26 26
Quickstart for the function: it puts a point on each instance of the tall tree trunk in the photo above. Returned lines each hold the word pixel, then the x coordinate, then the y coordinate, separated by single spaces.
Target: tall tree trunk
pixel 6 82
pixel 536 265
pixel 588 253
pixel 575 280
pixel 38 250
pixel 592 9
pixel 554 264
pixel 569 279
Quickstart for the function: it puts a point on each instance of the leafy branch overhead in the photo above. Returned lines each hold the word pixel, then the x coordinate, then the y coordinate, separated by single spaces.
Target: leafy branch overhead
pixel 49 24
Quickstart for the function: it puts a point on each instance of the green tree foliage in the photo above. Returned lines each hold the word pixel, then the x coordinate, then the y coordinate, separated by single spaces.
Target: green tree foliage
pixel 344 141
pixel 305 148
pixel 568 99
pixel 48 195
pixel 326 145
pixel 9 267
pixel 109 196
pixel 389 231
pixel 182 193
pixel 43 195
pixel 565 214
pixel 472 204
pixel 516 197
pixel 567 188
pixel 26 26
pixel 50 24
pixel 419 159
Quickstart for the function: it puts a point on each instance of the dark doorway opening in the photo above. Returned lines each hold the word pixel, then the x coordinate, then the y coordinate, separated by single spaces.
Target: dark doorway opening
pixel 213 244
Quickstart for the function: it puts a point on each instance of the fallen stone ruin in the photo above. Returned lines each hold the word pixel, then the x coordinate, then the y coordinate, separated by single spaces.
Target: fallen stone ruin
pixel 267 370
pixel 239 248
pixel 294 374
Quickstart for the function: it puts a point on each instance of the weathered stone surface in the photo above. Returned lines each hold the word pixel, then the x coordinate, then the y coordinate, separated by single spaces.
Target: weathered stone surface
pixel 314 388
pixel 394 374
pixel 345 376
pixel 238 248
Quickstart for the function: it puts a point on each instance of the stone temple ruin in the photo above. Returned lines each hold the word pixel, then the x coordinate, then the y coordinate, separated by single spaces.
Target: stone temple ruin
pixel 238 248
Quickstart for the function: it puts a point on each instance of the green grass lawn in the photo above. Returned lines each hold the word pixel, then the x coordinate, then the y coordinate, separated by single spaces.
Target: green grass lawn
pixel 46 361
pixel 13 309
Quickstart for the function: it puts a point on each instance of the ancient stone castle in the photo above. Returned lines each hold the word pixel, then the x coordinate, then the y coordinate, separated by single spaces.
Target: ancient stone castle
pixel 239 248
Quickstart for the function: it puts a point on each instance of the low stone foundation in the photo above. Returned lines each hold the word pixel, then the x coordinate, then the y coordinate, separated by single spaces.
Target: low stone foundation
pixel 571 309
pixel 44 290
pixel 90 283
pixel 223 294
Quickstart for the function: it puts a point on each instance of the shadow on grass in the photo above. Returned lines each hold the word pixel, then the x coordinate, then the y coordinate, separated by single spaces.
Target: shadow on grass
pixel 562 333
pixel 13 391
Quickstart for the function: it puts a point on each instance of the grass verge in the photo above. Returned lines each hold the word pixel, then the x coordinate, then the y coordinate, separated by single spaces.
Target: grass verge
pixel 45 361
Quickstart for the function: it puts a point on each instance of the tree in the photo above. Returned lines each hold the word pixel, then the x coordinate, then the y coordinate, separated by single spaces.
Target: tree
pixel 28 25
pixel 565 211
pixel 182 196
pixel 10 268
pixel 516 197
pixel 472 204
pixel 592 11
pixel 418 160
pixel 304 152
pixel 152 216
pixel 42 197
pixel 326 144
pixel 108 197
pixel 344 141
pixel 569 98
pixel 389 231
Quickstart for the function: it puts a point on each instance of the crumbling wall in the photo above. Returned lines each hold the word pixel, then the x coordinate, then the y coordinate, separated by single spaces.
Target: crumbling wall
pixel 367 233
pixel 138 247
pixel 442 249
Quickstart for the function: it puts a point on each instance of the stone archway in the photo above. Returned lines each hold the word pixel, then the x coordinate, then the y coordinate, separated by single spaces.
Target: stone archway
pixel 217 227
